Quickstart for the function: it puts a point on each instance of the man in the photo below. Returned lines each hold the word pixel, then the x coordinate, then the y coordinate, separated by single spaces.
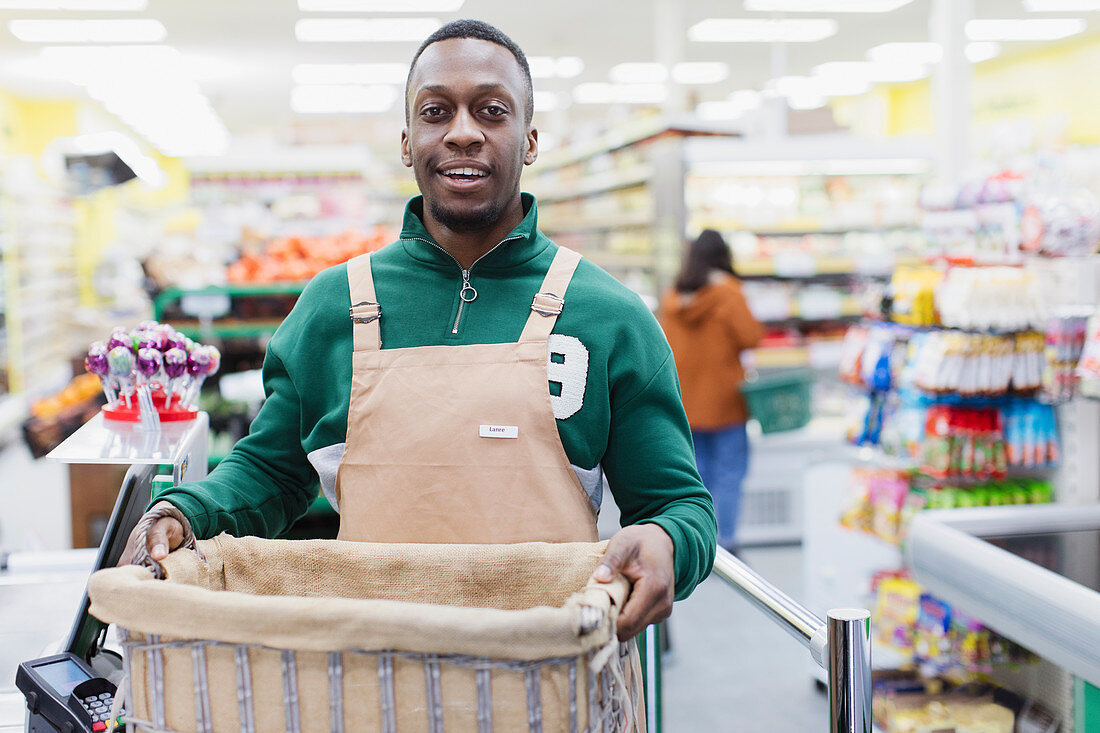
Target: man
pixel 493 378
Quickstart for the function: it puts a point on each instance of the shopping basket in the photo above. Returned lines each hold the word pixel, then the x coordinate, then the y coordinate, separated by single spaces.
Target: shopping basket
pixel 325 635
pixel 779 400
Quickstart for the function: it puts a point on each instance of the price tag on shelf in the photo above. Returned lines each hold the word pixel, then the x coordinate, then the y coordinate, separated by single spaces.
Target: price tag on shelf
pixel 794 264
pixel 205 305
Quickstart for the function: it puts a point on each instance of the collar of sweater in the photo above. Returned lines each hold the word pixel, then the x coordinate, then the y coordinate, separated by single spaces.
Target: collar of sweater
pixel 529 242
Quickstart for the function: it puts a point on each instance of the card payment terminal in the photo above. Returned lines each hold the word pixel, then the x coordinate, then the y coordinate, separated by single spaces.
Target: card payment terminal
pixel 65 695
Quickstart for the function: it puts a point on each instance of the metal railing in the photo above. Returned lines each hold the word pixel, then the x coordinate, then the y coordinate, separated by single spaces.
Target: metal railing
pixel 841 644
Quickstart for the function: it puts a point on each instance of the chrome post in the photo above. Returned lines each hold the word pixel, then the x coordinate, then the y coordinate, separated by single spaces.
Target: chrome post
pixel 849 670
pixel 842 646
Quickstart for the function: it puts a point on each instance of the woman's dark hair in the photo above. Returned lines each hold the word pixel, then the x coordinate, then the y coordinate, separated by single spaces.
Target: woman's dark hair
pixel 708 252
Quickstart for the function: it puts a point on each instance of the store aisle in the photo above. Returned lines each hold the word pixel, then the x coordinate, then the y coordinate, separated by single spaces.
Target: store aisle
pixel 732 669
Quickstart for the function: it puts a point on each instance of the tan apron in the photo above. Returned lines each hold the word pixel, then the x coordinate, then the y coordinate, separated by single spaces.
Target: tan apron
pixel 457 444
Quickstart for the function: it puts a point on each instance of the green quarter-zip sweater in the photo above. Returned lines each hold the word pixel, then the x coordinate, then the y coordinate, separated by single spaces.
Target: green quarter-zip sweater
pixel 610 373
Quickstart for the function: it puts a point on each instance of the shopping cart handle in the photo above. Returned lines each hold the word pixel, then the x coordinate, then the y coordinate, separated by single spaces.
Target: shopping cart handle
pixel 145 524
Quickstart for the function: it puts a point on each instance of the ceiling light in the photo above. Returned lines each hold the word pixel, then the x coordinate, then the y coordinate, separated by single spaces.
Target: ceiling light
pixel 640 72
pixel 342 99
pixel 568 67
pixel 747 98
pixel 979 51
pixel 700 72
pixel 751 30
pixel 816 86
pixel 1027 29
pixel 76 5
pixel 376 73
pixel 550 101
pixel 825 6
pixel 129 30
pixel 1061 6
pixel 548 67
pixel 604 93
pixel 380 6
pixel 919 52
pixel 871 71
pixel 357 30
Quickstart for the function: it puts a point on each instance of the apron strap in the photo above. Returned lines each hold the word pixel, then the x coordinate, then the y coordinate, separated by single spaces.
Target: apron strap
pixel 548 303
pixel 366 314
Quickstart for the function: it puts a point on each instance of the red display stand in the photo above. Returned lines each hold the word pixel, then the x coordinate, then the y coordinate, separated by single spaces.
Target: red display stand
pixel 175 412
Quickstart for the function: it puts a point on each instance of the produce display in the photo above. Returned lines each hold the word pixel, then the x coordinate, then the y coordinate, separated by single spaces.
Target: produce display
pixel 300 258
pixel 152 366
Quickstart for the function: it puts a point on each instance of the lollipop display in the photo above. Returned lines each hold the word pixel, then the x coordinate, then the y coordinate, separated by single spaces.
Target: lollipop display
pixel 96 363
pixel 160 366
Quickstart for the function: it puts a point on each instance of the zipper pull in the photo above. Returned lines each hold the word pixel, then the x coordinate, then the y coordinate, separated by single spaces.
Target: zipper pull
pixel 467 294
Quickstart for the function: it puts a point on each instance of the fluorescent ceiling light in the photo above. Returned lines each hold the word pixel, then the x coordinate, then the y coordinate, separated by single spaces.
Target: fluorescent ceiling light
pixel 979 51
pixel 376 73
pixel 380 6
pixel 342 99
pixel 700 72
pixel 919 52
pixel 828 167
pixel 550 101
pixel 128 30
pixel 1061 6
pixel 752 30
pixel 548 67
pixel 871 71
pixel 604 93
pixel 749 98
pixel 638 72
pixel 359 30
pixel 825 6
pixel 1027 29
pixel 75 5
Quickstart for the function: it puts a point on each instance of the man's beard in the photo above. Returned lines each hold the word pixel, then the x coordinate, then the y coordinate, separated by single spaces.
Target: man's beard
pixel 477 220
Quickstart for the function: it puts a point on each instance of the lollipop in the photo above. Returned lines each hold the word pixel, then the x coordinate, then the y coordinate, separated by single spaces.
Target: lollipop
pixel 201 363
pixel 147 365
pixel 174 340
pixel 146 340
pixel 175 367
pixel 147 325
pixel 96 363
pixel 120 363
pixel 120 337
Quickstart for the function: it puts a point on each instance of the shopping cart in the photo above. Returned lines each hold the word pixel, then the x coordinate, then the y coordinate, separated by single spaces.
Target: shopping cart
pixel 255 635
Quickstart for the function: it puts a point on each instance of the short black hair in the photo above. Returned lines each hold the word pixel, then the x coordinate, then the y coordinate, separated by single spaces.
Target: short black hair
pixel 469 28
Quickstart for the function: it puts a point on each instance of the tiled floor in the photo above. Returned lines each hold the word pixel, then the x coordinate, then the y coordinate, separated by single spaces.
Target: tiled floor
pixel 732 670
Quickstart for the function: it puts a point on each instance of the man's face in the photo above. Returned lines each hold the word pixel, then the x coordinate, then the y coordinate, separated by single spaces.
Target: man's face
pixel 466 139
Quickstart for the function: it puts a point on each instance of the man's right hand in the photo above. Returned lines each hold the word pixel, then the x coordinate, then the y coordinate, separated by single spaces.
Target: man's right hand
pixel 165 536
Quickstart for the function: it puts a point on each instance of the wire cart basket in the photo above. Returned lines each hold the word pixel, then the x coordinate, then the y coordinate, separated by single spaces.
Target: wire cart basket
pixel 249 634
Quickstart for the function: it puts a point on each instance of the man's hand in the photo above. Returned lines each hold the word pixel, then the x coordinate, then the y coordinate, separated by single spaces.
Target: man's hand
pixel 644 554
pixel 165 536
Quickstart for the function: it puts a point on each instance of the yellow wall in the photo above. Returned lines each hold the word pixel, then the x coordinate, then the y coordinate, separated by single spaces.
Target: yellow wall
pixel 1049 87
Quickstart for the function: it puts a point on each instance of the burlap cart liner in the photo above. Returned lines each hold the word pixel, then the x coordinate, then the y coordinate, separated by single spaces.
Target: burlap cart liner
pixel 518 601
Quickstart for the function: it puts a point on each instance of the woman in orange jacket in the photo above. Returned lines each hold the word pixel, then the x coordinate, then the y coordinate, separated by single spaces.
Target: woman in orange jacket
pixel 708 324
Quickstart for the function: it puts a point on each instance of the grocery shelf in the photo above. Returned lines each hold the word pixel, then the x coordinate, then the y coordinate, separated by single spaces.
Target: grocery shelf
pixel 229 328
pixel 635 175
pixel 809 266
pixel 643 219
pixel 239 290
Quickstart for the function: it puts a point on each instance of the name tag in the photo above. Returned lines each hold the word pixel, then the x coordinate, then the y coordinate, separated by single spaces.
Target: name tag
pixel 498 431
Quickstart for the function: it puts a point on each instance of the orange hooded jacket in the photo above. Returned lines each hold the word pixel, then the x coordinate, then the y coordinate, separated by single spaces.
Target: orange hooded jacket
pixel 707 330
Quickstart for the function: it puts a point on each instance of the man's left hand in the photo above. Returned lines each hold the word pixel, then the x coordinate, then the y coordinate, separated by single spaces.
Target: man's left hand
pixel 644 554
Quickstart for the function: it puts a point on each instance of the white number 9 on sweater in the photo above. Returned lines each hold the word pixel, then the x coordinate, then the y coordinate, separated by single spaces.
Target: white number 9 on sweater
pixel 567 367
